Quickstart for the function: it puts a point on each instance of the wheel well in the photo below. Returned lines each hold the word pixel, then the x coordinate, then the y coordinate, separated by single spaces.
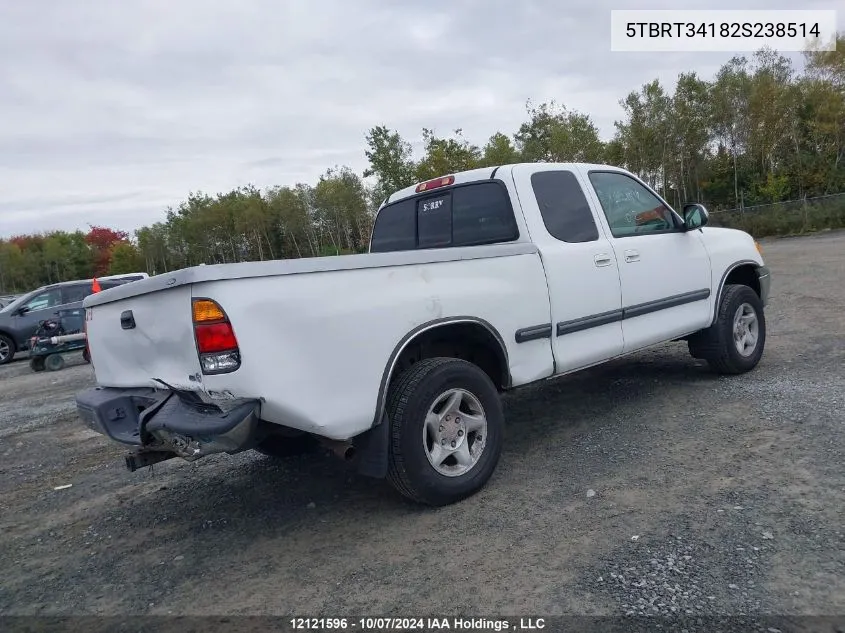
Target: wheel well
pixel 10 337
pixel 469 341
pixel 745 275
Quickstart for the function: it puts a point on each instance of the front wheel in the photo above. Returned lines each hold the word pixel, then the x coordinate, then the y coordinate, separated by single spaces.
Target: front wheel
pixel 54 362
pixel 7 349
pixel 446 431
pixel 734 343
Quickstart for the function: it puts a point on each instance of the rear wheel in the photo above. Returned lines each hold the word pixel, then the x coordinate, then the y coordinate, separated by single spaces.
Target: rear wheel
pixel 36 363
pixel 446 431
pixel 734 343
pixel 54 362
pixel 7 349
pixel 86 356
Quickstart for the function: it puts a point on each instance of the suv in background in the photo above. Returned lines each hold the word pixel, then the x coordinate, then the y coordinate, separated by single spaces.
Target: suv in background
pixel 20 318
pixel 6 300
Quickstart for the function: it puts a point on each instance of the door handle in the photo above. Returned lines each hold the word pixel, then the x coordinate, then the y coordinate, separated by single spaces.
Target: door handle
pixel 602 259
pixel 632 256
pixel 127 320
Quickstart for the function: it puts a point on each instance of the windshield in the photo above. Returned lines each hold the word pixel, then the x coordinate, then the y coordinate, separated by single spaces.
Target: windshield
pixel 19 301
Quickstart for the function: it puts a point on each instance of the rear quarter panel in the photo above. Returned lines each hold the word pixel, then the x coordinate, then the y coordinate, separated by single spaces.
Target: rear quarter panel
pixel 315 346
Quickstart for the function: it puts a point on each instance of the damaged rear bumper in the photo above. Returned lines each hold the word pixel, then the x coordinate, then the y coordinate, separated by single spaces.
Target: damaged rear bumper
pixel 159 424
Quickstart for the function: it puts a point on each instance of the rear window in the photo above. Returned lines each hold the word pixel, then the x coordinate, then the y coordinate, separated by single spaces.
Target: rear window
pixel 466 215
pixel 113 283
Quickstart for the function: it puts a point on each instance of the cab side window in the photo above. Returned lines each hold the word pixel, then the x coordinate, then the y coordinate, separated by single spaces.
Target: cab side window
pixel 563 206
pixel 630 208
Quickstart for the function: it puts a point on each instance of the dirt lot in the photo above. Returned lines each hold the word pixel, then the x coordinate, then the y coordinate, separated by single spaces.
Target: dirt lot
pixel 648 485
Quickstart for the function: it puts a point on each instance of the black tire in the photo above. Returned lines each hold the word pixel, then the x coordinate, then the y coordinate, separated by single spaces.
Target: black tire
pixel 716 343
pixel 7 349
pixel 37 363
pixel 284 446
pixel 414 392
pixel 54 362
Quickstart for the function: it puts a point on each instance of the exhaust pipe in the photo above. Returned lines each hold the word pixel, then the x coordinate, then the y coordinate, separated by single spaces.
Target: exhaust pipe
pixel 344 450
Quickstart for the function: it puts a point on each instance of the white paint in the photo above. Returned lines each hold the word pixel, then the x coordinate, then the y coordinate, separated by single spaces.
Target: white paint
pixel 577 287
pixel 316 335
pixel 316 346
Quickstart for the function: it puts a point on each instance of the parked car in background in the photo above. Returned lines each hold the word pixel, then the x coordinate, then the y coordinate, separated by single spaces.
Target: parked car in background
pixel 20 318
pixel 6 300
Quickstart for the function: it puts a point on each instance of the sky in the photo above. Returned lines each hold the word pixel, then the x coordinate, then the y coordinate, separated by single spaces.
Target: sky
pixel 111 111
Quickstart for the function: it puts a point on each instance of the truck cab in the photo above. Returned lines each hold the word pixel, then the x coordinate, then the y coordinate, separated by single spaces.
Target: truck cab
pixel 624 269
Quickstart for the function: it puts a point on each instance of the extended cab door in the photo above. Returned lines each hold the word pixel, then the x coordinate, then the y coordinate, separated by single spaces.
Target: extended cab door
pixel 580 265
pixel 665 270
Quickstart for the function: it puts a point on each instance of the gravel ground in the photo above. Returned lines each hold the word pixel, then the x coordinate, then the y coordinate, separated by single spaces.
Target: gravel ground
pixel 647 486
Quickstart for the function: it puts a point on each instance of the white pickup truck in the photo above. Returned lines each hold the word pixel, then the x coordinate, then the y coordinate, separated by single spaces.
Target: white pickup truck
pixel 476 283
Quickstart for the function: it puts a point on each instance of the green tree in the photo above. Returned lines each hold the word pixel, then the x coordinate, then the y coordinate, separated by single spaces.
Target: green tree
pixel 690 136
pixel 125 258
pixel 729 96
pixel 555 134
pixel 341 214
pixel 499 150
pixel 444 156
pixel 828 65
pixel 391 162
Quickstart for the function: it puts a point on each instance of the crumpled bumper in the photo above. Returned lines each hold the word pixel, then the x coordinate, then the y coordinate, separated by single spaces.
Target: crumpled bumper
pixel 164 420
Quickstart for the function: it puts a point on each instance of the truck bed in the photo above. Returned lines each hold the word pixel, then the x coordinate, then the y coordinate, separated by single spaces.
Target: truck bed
pixel 304 325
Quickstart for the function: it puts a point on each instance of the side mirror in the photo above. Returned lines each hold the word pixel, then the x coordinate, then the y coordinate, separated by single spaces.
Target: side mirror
pixel 21 311
pixel 695 216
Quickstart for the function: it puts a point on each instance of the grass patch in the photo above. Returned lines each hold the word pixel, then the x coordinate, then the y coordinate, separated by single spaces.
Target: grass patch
pixel 791 218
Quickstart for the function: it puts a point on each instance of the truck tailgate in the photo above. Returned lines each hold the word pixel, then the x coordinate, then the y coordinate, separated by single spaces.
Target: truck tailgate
pixel 157 342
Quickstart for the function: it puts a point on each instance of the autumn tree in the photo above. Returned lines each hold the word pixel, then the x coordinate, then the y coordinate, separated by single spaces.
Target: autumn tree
pixel 102 239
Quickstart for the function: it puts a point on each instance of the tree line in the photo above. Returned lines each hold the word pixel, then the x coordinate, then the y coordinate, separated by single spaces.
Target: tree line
pixel 758 132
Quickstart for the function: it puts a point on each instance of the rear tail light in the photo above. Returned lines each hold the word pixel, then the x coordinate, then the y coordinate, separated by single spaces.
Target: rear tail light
pixel 217 344
pixel 206 310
